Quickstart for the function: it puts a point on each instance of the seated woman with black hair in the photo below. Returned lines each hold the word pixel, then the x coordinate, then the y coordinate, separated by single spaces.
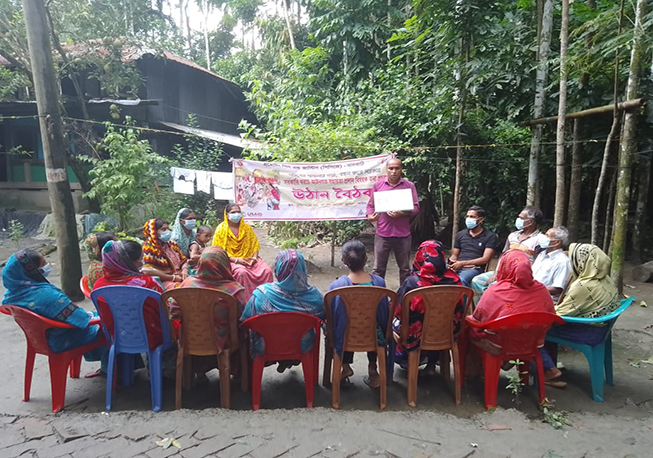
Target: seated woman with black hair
pixel 354 257
pixel 93 245
pixel 162 257
pixel 24 278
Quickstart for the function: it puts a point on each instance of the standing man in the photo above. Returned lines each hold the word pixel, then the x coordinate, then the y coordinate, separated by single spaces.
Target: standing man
pixel 473 247
pixel 392 228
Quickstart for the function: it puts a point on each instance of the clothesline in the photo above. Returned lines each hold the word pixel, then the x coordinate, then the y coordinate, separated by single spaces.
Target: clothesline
pixel 186 181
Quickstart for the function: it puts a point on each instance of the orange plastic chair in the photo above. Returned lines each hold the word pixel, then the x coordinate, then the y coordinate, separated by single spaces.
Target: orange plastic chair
pixel 437 332
pixel 84 286
pixel 35 328
pixel 361 303
pixel 520 335
pixel 198 336
pixel 282 333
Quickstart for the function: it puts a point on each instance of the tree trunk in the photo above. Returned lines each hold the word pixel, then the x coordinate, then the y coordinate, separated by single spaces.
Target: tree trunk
pixel 627 150
pixel 455 214
pixel 561 195
pixel 604 167
pixel 207 47
pixel 643 180
pixel 609 209
pixel 575 181
pixel 47 100
pixel 286 15
pixel 540 93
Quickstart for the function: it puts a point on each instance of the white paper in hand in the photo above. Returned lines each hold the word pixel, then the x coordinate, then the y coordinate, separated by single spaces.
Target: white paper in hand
pixel 393 201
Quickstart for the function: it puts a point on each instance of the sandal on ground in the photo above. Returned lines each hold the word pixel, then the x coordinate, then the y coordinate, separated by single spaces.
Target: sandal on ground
pixel 372 384
pixel 556 383
pixel 97 373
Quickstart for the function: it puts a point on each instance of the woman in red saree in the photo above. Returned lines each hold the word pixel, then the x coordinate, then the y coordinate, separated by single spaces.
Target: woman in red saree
pixel 162 257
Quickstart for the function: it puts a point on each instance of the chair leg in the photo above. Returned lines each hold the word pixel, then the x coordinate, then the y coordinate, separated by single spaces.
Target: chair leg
pixel 413 370
pixel 316 355
pixel 58 374
pixel 597 365
pixel 111 370
pixel 310 374
pixel 335 384
pixel 609 377
pixel 29 370
pixel 455 356
pixel 179 372
pixel 492 368
pixel 445 368
pixel 75 367
pixel 224 368
pixel 328 359
pixel 380 352
pixel 156 378
pixel 257 377
pixel 541 386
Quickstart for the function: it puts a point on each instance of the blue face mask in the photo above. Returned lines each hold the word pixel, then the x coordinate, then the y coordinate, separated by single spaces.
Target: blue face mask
pixel 165 236
pixel 471 223
pixel 545 243
pixel 519 224
pixel 190 224
pixel 235 217
pixel 45 270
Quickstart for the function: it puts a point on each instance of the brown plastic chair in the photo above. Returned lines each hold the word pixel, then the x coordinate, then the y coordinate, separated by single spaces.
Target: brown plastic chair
pixel 437 332
pixel 198 336
pixel 361 303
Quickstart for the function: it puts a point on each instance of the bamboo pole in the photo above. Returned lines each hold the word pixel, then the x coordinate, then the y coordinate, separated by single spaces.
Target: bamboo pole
pixel 626 106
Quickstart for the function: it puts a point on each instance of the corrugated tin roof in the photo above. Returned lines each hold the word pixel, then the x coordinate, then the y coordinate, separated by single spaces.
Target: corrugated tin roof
pixel 217 136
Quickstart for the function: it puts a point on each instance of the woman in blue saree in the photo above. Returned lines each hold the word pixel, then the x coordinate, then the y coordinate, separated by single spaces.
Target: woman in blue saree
pixel 354 257
pixel 290 293
pixel 24 278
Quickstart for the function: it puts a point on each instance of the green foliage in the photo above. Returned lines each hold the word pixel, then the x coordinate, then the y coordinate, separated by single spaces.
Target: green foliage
pixel 16 231
pixel 104 226
pixel 10 83
pixel 127 177
pixel 515 385
pixel 557 419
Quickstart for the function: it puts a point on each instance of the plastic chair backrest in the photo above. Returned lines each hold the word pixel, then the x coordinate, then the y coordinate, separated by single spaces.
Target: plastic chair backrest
pixel 83 285
pixel 625 303
pixel 439 305
pixel 282 332
pixel 519 333
pixel 35 327
pixel 361 303
pixel 198 330
pixel 126 306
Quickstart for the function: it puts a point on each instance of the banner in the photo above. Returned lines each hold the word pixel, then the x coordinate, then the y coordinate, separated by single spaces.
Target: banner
pixel 306 191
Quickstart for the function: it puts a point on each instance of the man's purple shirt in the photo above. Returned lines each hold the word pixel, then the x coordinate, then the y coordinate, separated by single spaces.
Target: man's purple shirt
pixel 393 227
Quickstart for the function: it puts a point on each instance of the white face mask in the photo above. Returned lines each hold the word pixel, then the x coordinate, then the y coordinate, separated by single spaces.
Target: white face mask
pixel 235 217
pixel 45 270
pixel 165 236
pixel 519 224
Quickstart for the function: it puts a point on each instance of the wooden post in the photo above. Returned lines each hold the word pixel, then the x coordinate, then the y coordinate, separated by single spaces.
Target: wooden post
pixel 334 232
pixel 54 152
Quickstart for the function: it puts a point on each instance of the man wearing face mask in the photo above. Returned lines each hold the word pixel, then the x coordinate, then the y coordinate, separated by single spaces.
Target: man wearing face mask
pixel 526 238
pixel 552 267
pixel 473 247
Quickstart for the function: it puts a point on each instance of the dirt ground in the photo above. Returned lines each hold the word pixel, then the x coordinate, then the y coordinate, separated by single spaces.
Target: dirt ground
pixel 628 404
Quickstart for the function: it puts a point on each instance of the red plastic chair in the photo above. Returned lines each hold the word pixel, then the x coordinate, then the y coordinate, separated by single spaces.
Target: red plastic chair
pixel 282 333
pixel 35 328
pixel 84 286
pixel 520 336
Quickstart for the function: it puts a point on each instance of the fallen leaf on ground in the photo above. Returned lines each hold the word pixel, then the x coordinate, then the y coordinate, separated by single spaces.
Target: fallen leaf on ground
pixel 643 304
pixel 629 286
pixel 498 428
pixel 473 444
pixel 167 442
pixel 647 361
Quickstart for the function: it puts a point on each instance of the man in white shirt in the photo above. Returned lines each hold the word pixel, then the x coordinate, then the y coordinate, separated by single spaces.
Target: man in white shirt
pixel 552 267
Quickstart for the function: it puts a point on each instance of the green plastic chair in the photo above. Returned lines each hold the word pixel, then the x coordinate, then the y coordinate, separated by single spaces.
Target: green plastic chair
pixel 598 356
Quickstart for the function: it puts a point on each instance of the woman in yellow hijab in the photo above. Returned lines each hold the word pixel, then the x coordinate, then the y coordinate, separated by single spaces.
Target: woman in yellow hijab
pixel 241 244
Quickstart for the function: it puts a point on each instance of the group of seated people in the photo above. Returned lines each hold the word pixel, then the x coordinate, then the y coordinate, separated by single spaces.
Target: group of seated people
pixel 531 276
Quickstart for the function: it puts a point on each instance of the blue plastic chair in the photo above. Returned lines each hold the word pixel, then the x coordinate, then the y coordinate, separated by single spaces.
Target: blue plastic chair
pixel 130 336
pixel 599 356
